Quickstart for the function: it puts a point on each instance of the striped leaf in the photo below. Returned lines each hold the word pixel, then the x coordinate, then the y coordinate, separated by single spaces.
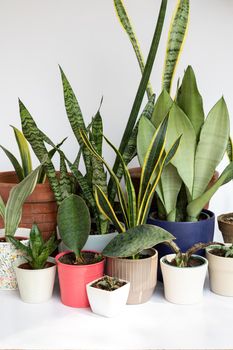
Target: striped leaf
pixel 15 163
pixel 190 100
pixel 2 208
pixel 97 132
pixel 64 180
pixel 126 24
pixel 176 37
pixel 120 193
pixel 211 146
pixel 33 135
pixel 75 117
pixel 17 197
pixel 132 205
pixel 24 151
pixel 106 209
pixel 141 89
pixel 152 158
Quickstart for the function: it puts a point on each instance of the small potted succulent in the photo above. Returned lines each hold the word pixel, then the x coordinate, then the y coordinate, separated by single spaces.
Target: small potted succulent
pixel 108 295
pixel 220 258
pixel 184 274
pixel 11 214
pixel 76 268
pixel 36 276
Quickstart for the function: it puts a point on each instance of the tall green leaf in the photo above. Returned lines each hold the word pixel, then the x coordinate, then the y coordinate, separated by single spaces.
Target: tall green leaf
pixel 176 37
pixel 190 100
pixel 195 207
pixel 126 24
pixel 161 108
pixel 211 146
pixel 15 163
pixel 142 87
pixel 24 151
pixel 17 197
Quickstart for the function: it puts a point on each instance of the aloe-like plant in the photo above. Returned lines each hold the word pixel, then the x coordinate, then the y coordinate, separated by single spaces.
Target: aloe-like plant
pixel 183 189
pixel 38 251
pixel 12 211
pixel 74 224
pixel 224 250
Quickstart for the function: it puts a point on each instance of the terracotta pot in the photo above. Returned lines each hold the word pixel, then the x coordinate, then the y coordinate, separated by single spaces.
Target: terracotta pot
pixel 135 174
pixel 73 280
pixel 183 285
pixel 9 256
pixel 220 272
pixel 226 227
pixel 40 207
pixel 141 273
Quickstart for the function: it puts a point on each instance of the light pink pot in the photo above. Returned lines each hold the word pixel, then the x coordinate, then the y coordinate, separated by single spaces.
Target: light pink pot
pixel 73 280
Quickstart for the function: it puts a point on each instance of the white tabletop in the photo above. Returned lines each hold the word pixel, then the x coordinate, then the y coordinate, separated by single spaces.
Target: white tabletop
pixel 156 324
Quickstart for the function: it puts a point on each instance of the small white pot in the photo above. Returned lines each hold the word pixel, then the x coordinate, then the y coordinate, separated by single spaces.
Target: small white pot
pixel 36 286
pixel 9 255
pixel 95 243
pixel 183 285
pixel 220 273
pixel 105 303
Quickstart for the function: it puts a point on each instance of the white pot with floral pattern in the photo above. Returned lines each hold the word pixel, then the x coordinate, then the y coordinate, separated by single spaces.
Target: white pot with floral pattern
pixel 9 256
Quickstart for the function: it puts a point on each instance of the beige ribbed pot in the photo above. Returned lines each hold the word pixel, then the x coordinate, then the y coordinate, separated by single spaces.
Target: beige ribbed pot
pixel 226 227
pixel 221 274
pixel 141 273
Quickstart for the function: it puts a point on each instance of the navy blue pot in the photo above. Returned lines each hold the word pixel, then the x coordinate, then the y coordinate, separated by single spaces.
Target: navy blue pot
pixel 186 233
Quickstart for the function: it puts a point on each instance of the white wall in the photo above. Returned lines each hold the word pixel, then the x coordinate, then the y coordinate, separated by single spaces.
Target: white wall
pixel 85 38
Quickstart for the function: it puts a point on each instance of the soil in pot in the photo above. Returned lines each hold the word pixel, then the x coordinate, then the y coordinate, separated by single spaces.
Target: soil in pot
pixel 108 283
pixel 27 266
pixel 88 258
pixel 193 262
pixel 219 252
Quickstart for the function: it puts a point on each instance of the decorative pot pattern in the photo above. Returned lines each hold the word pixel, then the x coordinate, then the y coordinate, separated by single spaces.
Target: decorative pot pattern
pixel 141 273
pixel 9 256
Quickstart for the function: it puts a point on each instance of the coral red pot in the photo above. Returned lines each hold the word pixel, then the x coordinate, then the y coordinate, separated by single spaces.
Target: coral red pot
pixel 74 278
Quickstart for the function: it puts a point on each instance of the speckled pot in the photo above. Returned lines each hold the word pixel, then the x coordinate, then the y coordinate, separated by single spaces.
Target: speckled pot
pixel 9 256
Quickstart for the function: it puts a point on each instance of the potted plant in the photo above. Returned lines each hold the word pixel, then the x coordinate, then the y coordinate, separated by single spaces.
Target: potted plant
pixel 11 214
pixel 36 277
pixel 107 295
pixel 184 274
pixel 183 189
pixel 130 255
pixel 225 224
pixel 94 169
pixel 76 268
pixel 40 206
pixel 221 268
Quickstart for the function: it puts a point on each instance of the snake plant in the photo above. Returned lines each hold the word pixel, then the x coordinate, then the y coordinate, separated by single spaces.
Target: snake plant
pixel 38 251
pixel 183 189
pixel 134 210
pixel 11 212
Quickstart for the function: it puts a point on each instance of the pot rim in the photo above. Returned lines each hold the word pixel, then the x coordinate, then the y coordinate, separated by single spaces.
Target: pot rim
pixel 221 217
pixel 207 249
pixel 22 239
pixel 35 270
pixel 58 256
pixel 89 285
pixel 184 268
pixel 205 211
pixel 155 253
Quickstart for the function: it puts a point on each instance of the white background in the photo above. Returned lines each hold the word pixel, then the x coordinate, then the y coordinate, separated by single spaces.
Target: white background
pixel 86 39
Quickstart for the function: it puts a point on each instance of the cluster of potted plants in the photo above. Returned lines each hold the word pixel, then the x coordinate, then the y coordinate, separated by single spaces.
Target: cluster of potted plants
pixel 107 228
